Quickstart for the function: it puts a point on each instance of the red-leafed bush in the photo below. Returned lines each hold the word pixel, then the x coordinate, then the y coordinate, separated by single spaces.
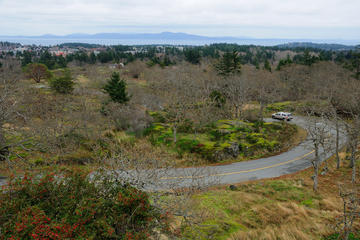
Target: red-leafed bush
pixel 70 206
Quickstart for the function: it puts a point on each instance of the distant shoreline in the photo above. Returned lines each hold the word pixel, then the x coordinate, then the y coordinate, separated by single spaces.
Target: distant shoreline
pixel 166 38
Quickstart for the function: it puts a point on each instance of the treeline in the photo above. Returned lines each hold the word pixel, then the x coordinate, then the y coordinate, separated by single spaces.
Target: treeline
pixel 322 46
pixel 259 56
pixel 44 57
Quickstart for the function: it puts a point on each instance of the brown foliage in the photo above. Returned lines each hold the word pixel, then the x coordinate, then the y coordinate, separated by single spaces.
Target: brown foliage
pixel 37 72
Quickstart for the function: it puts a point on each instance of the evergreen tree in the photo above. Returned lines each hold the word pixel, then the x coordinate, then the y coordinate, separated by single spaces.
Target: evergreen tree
pixel 26 58
pixel 47 59
pixel 230 63
pixel 69 58
pixel 167 61
pixel 256 64
pixel 308 59
pixel 92 58
pixel 105 56
pixel 284 62
pixel 267 65
pixel 116 88
pixel 355 62
pixel 218 98
pixel 192 55
pixel 63 84
pixel 61 62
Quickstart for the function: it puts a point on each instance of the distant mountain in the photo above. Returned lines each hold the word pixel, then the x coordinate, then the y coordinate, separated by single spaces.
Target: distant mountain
pixel 152 36
pixel 177 39
pixel 323 46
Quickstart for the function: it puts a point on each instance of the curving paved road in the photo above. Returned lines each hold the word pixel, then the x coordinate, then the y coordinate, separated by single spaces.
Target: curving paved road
pixel 294 160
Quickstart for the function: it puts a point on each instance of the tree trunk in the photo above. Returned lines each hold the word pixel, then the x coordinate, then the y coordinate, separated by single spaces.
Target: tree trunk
pixel 316 175
pixel 174 132
pixel 261 116
pixel 337 145
pixel 352 156
pixel 353 163
pixel 316 169
pixel 3 148
pixel 353 177
pixel 346 236
pixel 236 111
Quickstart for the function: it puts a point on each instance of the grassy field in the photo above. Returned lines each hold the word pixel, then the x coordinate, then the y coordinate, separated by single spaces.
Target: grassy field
pixel 282 208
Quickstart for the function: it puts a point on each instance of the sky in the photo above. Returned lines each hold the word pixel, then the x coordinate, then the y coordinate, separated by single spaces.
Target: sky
pixel 308 19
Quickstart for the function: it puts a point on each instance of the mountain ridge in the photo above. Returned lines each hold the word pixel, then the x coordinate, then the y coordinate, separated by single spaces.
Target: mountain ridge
pixel 162 35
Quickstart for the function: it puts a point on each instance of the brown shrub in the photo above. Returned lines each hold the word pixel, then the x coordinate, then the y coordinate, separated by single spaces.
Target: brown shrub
pixel 135 69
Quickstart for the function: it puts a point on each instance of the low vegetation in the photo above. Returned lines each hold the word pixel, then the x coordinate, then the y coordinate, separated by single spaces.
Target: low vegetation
pixel 69 205
pixel 63 84
pixel 225 139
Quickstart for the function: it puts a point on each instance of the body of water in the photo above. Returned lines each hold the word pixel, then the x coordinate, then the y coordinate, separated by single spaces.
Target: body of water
pixel 262 42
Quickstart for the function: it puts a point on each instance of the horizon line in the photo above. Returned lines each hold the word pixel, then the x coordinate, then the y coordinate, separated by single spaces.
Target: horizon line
pixel 189 34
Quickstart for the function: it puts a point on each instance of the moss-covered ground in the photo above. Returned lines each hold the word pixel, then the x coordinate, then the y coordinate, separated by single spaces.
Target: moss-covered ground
pixel 225 139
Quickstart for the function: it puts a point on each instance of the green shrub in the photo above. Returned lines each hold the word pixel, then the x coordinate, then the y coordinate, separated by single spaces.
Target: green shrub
pixel 80 157
pixel 206 149
pixel 38 161
pixel 337 236
pixel 71 137
pixel 116 88
pixel 187 144
pixel 69 206
pixel 63 84
pixel 218 98
pixel 157 116
pixel 281 106
pixel 162 138
pixel 186 127
pixel 272 127
pixel 308 203
pixel 253 137
pixel 217 134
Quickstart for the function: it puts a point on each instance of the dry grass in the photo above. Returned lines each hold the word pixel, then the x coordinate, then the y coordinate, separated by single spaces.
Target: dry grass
pixel 282 208
pixel 288 220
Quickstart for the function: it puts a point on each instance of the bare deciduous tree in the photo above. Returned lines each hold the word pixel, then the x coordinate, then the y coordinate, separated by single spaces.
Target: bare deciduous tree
pixel 350 104
pixel 236 89
pixel 350 210
pixel 8 78
pixel 181 91
pixel 353 134
pixel 320 137
pixel 265 89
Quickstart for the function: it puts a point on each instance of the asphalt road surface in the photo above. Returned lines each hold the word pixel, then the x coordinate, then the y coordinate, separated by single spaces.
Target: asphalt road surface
pixel 292 161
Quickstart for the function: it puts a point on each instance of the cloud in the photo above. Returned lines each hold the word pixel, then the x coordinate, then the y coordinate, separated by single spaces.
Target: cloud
pixel 91 16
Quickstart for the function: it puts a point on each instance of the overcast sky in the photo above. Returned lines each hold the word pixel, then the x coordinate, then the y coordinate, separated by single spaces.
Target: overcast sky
pixel 331 19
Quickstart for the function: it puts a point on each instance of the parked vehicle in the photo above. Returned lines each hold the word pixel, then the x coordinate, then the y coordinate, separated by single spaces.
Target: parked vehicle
pixel 282 116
